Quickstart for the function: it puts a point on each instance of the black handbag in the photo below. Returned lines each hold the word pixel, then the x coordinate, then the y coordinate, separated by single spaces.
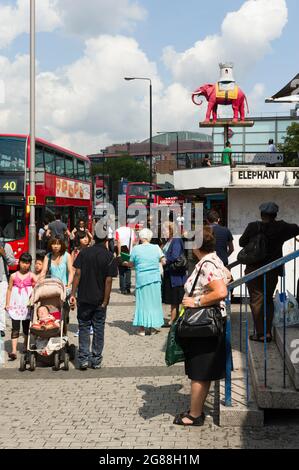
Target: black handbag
pixel 181 263
pixel 200 322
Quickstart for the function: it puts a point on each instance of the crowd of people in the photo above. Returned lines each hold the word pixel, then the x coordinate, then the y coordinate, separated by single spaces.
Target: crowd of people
pixel 162 276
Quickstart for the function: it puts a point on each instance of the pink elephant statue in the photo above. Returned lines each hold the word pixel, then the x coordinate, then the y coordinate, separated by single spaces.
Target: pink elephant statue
pixel 209 92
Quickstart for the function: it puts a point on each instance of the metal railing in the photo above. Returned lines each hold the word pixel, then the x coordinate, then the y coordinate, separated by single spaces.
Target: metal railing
pixel 279 159
pixel 244 300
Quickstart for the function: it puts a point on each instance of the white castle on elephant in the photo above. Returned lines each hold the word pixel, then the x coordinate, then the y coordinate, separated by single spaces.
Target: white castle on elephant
pixel 224 92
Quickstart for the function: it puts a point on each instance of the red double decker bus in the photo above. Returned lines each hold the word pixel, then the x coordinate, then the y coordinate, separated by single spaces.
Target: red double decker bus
pixel 62 182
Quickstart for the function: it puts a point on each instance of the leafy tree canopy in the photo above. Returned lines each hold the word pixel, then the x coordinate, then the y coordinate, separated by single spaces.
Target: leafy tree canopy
pixel 123 167
pixel 291 145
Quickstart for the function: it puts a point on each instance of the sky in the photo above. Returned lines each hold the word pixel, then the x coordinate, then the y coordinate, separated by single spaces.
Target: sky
pixel 84 49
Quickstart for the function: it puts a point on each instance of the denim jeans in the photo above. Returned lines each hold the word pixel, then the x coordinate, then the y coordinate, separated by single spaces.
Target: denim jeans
pixel 91 315
pixel 124 278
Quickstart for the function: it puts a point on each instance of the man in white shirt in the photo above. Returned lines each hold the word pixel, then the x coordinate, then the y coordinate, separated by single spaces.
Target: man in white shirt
pixel 271 146
pixel 125 238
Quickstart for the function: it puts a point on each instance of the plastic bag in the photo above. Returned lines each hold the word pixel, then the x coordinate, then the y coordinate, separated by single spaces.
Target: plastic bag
pixel 285 305
pixel 174 352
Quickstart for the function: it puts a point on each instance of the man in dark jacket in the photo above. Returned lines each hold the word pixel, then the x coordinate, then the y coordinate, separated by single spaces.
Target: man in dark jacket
pixel 276 232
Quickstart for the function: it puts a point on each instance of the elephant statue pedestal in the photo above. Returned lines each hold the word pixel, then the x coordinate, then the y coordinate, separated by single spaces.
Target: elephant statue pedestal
pixel 226 124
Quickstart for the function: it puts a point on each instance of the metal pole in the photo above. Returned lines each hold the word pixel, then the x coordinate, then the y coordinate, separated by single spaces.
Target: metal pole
pixel 177 150
pixel 32 226
pixel 151 135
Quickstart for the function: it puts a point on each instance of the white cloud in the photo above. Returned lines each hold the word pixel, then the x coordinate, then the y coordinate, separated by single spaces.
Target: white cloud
pixel 15 20
pixel 88 19
pixel 87 104
pixel 100 16
pixel 245 38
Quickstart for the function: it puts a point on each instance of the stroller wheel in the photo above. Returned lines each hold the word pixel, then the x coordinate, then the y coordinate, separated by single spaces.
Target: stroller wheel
pixel 56 361
pixel 32 362
pixel 72 351
pixel 66 361
pixel 22 363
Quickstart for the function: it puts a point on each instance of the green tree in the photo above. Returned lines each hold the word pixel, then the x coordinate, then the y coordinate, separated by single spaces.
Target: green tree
pixel 123 167
pixel 290 147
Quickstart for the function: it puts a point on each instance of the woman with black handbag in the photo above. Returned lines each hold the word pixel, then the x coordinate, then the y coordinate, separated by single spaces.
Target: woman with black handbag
pixel 204 349
pixel 175 275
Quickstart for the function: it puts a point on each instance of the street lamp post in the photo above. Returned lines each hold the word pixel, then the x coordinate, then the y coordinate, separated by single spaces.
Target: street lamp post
pixel 151 122
pixel 177 144
pixel 32 227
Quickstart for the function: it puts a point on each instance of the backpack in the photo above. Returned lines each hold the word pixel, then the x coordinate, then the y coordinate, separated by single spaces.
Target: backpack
pixel 256 249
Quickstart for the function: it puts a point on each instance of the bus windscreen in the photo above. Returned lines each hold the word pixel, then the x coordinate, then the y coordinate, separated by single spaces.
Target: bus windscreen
pixel 12 154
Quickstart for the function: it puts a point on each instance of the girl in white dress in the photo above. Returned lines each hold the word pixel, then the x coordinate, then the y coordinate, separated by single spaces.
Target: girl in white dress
pixel 18 294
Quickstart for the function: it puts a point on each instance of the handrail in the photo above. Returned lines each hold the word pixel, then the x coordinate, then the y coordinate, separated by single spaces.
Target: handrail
pixel 239 282
pixel 264 269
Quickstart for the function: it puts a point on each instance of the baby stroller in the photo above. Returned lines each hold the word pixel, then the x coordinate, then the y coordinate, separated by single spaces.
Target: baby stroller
pixel 49 346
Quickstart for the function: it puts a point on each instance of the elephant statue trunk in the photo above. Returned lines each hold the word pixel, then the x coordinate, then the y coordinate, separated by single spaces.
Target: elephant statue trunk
pixel 195 94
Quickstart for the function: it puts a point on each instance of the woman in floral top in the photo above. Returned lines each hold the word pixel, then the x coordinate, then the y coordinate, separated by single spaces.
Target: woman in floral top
pixel 205 358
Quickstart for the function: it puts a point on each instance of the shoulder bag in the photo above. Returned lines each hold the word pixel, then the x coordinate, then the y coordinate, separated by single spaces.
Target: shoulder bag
pixel 200 322
pixel 180 264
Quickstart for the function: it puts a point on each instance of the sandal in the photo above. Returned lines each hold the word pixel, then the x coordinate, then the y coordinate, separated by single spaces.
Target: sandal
pixel 12 356
pixel 260 338
pixel 199 421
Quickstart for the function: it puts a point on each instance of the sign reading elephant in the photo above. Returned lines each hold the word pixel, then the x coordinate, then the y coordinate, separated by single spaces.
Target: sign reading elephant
pixel 214 95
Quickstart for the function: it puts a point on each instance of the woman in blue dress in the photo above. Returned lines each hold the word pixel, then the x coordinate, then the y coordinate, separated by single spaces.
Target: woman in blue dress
pixel 146 259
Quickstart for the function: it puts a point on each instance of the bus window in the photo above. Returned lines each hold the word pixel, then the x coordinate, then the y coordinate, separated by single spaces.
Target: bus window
pixel 80 213
pixel 49 161
pixel 12 220
pixel 69 167
pixel 59 165
pixel 12 154
pixel 80 170
pixel 39 157
pixel 87 170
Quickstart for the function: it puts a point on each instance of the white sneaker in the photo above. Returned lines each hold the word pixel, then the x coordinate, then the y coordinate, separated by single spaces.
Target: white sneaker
pixel 76 334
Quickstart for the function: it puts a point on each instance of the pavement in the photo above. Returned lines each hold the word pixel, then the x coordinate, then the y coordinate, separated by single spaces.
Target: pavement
pixel 129 403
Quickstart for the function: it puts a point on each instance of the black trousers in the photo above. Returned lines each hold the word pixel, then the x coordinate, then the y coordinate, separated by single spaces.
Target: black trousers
pixel 256 294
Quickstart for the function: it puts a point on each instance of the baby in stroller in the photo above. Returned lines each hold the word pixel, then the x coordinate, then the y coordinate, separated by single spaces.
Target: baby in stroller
pixel 46 320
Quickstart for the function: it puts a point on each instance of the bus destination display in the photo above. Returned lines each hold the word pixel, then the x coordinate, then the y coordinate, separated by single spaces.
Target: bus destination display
pixel 8 185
